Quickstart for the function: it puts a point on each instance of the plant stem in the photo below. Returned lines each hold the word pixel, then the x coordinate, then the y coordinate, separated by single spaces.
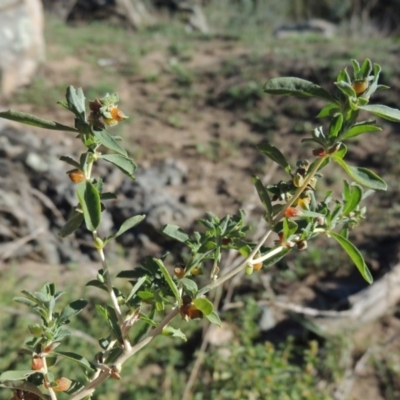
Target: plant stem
pixel 107 278
pixel 300 189
pixel 267 256
pixel 249 259
pixel 236 270
pixel 100 378
pixel 46 380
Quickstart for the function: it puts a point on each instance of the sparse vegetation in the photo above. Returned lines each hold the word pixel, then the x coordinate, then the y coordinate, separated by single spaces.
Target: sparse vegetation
pixel 144 65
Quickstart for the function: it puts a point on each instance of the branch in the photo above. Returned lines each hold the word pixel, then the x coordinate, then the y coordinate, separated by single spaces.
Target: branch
pixel 88 389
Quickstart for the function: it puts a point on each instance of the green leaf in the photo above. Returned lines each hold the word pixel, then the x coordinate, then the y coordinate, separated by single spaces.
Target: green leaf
pixel 346 89
pixel 275 155
pixel 277 257
pixel 146 295
pixel 16 375
pixel 74 387
pixel 61 334
pixel 335 126
pixel 174 232
pixel 297 87
pixel 70 161
pixel 328 111
pixel 341 152
pixel 356 66
pixel 75 220
pixel 32 120
pixel 72 309
pixel 125 164
pixel 189 286
pixel 76 102
pixel 97 284
pixel 359 130
pixel 108 196
pixel 385 112
pixel 312 214
pixel 24 386
pixel 127 274
pixel 366 69
pixel 136 287
pixel 354 254
pixel 343 76
pixel 213 317
pixel 89 200
pixel 363 176
pixel 169 331
pixel 204 305
pixel 289 228
pixel 128 224
pixel 374 85
pixel 352 199
pixel 76 358
pixel 264 197
pixel 25 301
pixel 109 142
pixel 169 280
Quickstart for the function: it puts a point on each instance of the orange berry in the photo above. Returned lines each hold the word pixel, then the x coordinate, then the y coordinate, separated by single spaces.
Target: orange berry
pixel 61 384
pixel 320 152
pixel 179 272
pixel 257 266
pixel 360 86
pixel 189 311
pixel 76 175
pixel 37 363
pixel 194 313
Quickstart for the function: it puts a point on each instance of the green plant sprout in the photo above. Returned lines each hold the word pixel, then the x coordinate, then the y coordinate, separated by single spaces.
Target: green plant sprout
pixel 294 210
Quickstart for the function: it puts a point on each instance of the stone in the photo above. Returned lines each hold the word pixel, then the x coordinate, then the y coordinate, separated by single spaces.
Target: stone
pixel 22 44
pixel 316 26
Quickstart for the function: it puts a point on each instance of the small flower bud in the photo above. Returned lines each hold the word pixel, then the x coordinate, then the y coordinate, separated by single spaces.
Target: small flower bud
pixel 115 373
pixel 298 180
pixel 196 271
pixel 301 245
pixel 76 175
pixel 98 243
pixel 189 311
pixel 61 384
pixel 249 269
pixel 360 86
pixel 179 272
pixel 292 212
pixel 320 152
pixel 37 363
pixel 226 241
pixel 257 266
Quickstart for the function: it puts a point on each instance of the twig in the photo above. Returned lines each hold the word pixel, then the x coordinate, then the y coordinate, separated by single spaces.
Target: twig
pixel 46 380
pixel 313 312
pixel 48 203
pixel 103 375
pixel 10 247
pixel 202 352
pixel 241 266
